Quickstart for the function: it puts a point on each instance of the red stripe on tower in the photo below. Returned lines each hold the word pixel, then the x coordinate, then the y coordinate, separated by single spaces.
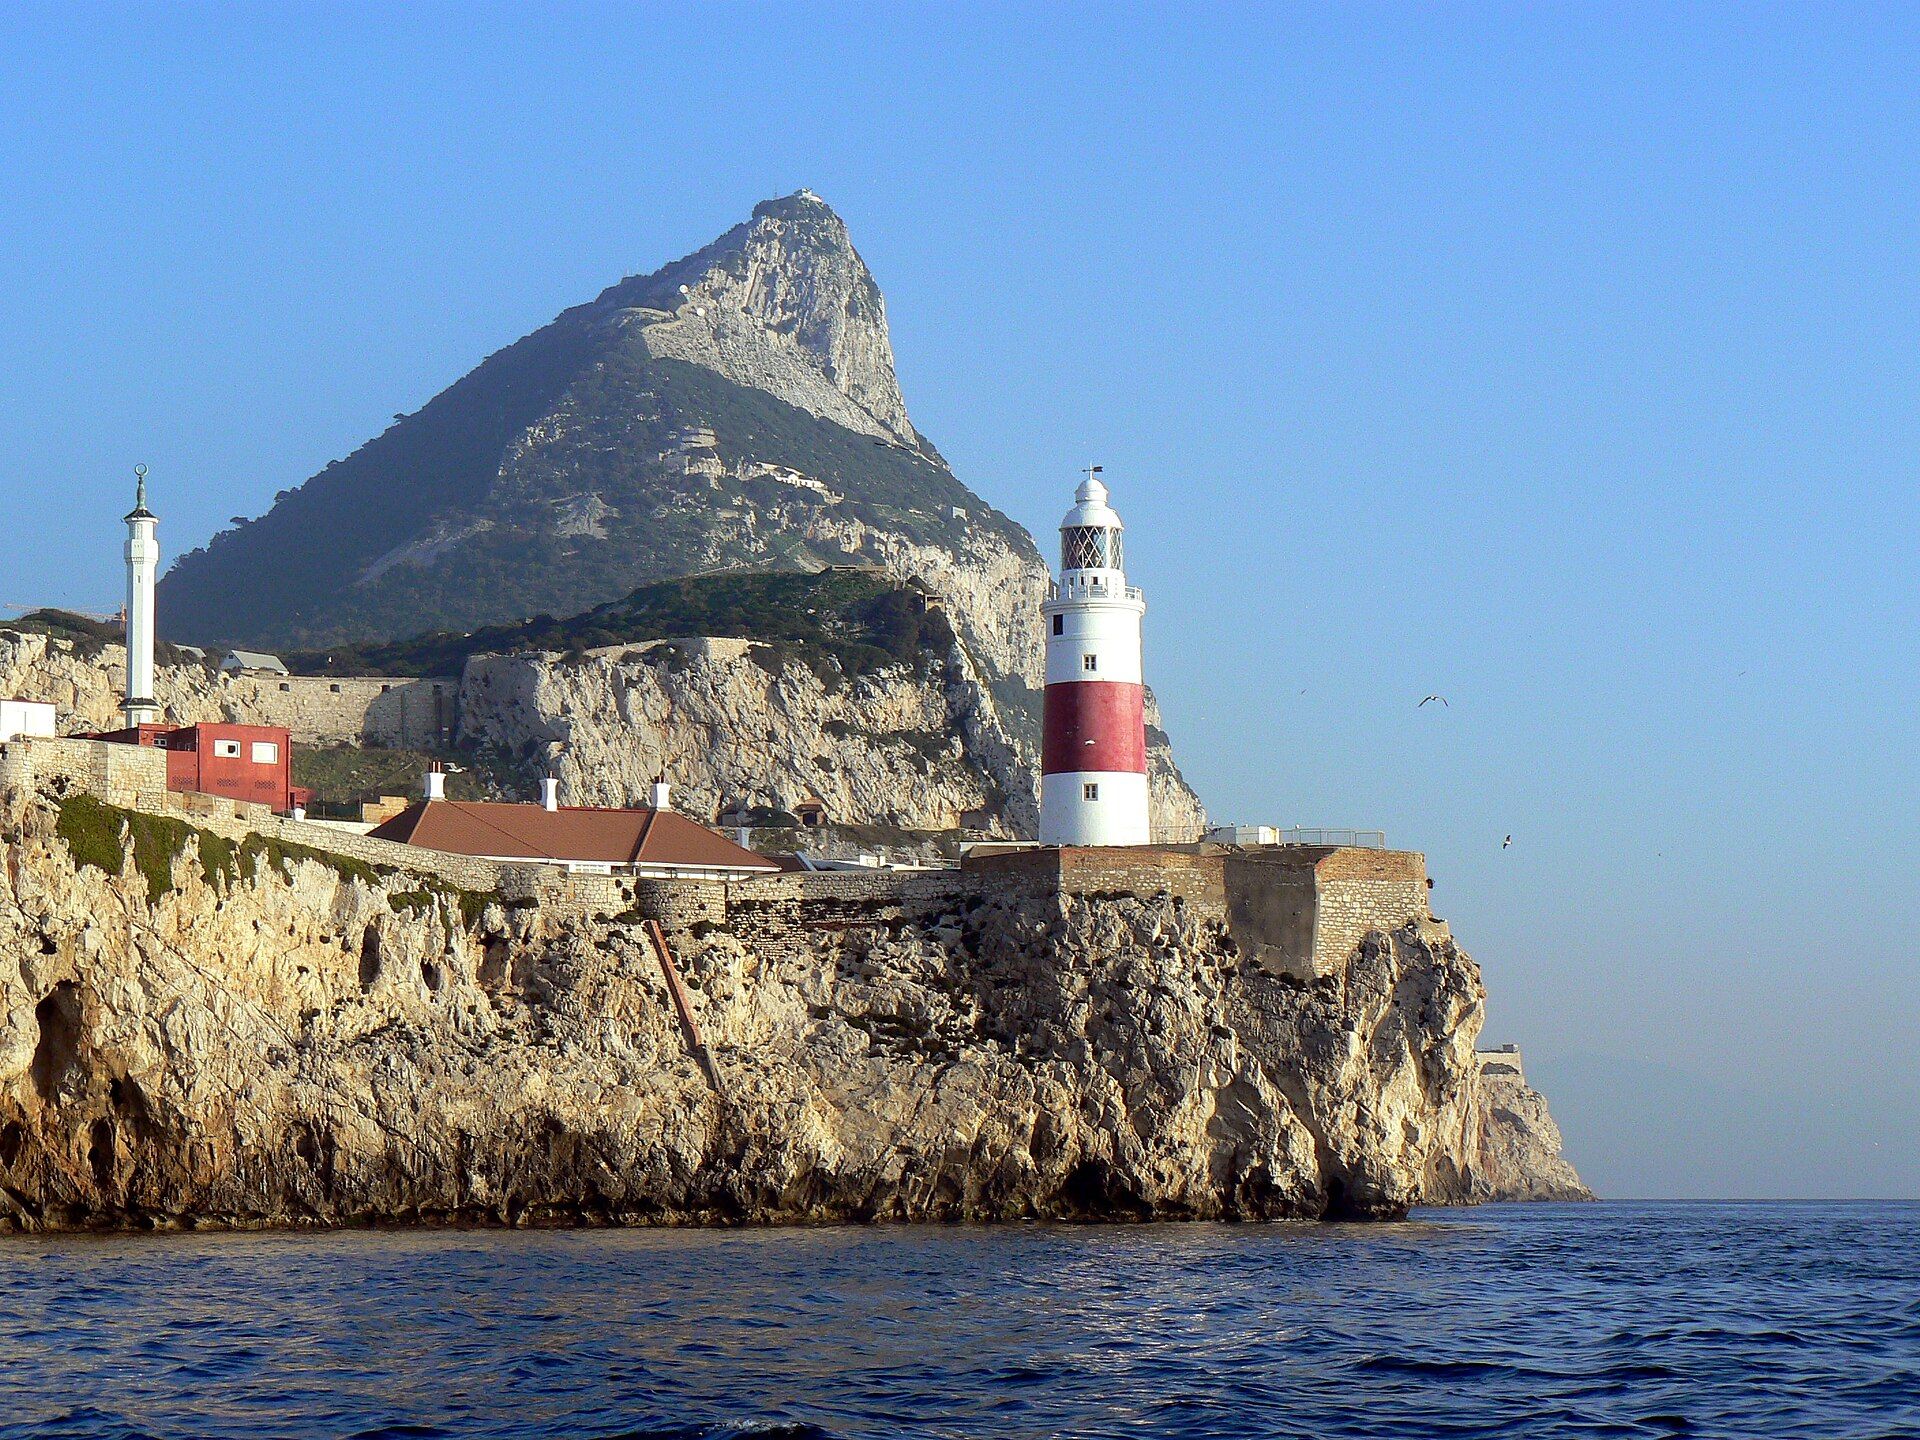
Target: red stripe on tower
pixel 1095 725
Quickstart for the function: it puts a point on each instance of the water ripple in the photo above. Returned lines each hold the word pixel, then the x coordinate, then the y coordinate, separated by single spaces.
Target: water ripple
pixel 1583 1322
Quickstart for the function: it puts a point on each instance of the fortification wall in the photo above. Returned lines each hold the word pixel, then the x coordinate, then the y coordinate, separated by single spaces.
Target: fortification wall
pixel 1294 909
pixel 1502 1064
pixel 362 710
pixel 1361 890
pixel 133 777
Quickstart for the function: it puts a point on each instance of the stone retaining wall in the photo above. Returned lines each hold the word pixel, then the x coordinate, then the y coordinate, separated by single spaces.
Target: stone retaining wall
pixel 393 711
pixel 1300 910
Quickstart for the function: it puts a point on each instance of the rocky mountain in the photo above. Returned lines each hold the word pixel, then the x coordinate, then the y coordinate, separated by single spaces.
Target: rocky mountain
pixel 736 409
pixel 195 1031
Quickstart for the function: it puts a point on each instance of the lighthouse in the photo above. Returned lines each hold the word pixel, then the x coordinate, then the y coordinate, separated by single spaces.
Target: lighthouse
pixel 1093 782
pixel 143 564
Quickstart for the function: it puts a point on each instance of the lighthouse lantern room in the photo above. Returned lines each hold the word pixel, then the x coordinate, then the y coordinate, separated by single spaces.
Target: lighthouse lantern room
pixel 1093 785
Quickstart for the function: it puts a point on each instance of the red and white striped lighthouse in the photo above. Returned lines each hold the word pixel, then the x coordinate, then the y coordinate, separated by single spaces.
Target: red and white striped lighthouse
pixel 1093 780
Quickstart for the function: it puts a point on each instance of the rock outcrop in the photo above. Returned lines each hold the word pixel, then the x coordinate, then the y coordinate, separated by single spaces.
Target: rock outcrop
pixel 918 746
pixel 1516 1145
pixel 242 1036
pixel 921 747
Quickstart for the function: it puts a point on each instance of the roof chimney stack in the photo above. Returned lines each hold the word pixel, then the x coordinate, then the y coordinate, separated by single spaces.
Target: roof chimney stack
pixel 549 794
pixel 659 795
pixel 436 782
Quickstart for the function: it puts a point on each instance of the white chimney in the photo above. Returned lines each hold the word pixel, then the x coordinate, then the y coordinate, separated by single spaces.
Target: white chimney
pixel 659 794
pixel 436 782
pixel 549 794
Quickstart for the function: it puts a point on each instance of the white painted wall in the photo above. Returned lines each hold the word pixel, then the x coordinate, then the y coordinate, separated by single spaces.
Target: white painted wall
pixel 25 717
pixel 1118 817
pixel 1107 629
pixel 143 566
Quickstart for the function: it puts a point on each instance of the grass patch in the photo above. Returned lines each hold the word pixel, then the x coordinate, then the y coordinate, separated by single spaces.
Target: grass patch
pixel 343 775
pixel 100 835
pixel 258 852
pixel 94 832
pixel 157 839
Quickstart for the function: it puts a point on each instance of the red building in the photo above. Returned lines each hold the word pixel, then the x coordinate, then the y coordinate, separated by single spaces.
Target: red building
pixel 239 762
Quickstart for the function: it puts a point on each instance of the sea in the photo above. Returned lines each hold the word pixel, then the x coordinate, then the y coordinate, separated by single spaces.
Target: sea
pixel 1612 1319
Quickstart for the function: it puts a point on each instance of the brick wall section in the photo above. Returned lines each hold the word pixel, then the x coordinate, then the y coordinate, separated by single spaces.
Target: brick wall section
pixel 1362 890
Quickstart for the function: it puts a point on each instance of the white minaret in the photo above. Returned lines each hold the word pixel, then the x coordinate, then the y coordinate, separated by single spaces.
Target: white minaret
pixel 1093 771
pixel 143 566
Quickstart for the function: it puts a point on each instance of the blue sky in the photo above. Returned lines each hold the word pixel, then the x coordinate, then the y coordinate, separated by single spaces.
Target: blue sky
pixel 1557 359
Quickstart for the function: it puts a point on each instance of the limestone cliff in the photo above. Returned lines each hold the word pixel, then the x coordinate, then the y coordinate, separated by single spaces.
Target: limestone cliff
pixel 921 747
pixel 252 1035
pixel 1516 1144
pixel 918 746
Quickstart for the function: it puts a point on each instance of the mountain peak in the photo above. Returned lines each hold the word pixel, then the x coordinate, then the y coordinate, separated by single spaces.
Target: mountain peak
pixel 802 202
pixel 782 303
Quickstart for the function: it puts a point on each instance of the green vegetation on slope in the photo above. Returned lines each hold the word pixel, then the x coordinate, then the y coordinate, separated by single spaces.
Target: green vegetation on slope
pixel 860 620
pixel 354 774
pixel 89 637
pixel 452 519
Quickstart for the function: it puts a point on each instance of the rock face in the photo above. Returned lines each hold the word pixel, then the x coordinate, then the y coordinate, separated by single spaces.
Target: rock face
pixel 920 747
pixel 267 1038
pixel 86 686
pixel 782 304
pixel 1517 1144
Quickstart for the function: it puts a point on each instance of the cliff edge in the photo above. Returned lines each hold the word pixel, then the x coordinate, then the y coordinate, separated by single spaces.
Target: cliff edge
pixel 198 1029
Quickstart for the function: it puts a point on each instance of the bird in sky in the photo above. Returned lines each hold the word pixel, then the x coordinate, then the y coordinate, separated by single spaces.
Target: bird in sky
pixel 1431 698
pixel 1506 842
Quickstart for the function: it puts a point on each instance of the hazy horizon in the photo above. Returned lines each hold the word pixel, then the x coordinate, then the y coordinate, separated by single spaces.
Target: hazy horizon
pixel 1561 365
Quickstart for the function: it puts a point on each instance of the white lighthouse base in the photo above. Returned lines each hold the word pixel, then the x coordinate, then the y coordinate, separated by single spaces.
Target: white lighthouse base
pixel 1117 815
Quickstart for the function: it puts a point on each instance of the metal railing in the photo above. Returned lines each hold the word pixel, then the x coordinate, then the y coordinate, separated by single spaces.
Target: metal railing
pixel 1272 835
pixel 1361 839
pixel 1094 590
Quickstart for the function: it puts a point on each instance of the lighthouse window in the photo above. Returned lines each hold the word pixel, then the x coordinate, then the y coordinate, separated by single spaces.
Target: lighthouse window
pixel 1089 547
pixel 265 752
pixel 1090 791
pixel 1059 624
pixel 1090 663
pixel 227 749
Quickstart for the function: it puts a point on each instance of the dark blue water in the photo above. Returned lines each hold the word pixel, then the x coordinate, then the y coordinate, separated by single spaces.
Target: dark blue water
pixel 1608 1320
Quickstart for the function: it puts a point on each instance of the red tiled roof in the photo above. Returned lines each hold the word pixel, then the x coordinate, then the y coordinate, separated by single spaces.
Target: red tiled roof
pixel 503 831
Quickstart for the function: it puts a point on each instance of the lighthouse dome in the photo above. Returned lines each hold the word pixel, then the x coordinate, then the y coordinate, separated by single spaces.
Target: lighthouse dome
pixel 1091 509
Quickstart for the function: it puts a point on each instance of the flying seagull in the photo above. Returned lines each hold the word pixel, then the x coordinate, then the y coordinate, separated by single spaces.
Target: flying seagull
pixel 1506 842
pixel 1441 698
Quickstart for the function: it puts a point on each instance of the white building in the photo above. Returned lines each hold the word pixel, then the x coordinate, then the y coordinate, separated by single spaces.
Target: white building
pixel 252 662
pixel 25 719
pixel 1093 784
pixel 143 567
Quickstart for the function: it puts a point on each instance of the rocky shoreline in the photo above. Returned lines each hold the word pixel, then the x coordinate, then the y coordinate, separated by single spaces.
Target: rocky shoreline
pixel 194 1033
